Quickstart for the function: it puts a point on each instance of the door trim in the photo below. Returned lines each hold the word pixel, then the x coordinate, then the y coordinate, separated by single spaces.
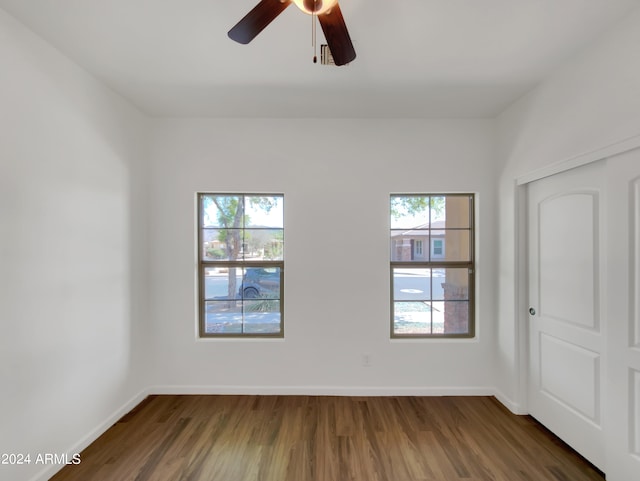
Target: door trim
pixel 521 314
pixel 616 148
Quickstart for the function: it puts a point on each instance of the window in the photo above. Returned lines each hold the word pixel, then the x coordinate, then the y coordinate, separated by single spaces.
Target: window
pixel 241 265
pixel 418 248
pixel 437 248
pixel 432 294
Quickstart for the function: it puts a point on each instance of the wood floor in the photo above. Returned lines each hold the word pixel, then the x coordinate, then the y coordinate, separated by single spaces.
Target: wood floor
pixel 309 438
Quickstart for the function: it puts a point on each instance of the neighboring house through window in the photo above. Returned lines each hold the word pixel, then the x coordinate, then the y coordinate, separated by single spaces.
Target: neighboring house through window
pixel 240 265
pixel 432 290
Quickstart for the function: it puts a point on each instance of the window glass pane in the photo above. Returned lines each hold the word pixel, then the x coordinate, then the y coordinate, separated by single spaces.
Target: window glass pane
pixel 248 317
pixel 211 248
pixel 437 317
pixel 222 211
pixel 411 284
pixel 457 211
pixel 456 317
pixel 262 316
pixel 457 246
pixel 264 211
pixel 405 245
pixel 222 244
pixel 409 211
pixel 451 283
pixel 412 318
pixel 437 211
pixel 260 283
pixel 221 283
pixel 223 317
pixel 262 244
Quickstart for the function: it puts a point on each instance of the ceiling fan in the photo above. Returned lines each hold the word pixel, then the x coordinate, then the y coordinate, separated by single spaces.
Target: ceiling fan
pixel 327 11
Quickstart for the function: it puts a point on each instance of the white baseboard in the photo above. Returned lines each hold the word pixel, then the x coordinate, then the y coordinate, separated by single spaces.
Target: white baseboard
pixel 94 434
pixel 511 405
pixel 514 407
pixel 324 390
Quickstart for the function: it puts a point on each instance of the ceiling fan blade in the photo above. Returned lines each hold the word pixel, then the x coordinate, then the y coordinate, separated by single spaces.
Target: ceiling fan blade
pixel 257 19
pixel 337 35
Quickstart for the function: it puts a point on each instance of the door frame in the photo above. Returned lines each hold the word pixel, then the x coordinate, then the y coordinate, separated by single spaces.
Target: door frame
pixel 521 253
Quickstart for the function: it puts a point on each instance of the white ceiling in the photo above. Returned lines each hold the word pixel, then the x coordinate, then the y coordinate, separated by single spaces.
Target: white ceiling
pixel 416 58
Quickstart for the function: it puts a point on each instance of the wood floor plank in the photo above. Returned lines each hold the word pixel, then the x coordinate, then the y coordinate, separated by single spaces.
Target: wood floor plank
pixel 326 438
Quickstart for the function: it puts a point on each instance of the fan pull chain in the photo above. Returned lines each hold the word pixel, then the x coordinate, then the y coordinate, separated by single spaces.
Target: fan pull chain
pixel 313 32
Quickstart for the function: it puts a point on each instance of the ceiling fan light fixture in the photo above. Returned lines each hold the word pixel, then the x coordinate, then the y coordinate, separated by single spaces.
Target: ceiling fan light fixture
pixel 320 6
pixel 328 14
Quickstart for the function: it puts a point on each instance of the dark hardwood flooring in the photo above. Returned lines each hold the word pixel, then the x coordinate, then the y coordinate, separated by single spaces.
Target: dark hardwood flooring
pixel 317 438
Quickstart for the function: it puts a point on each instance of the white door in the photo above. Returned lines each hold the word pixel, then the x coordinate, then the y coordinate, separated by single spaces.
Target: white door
pixel 566 296
pixel 622 183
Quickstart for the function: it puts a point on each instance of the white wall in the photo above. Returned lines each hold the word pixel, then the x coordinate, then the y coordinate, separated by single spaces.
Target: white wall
pixel 336 176
pixel 72 255
pixel 77 342
pixel 588 105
